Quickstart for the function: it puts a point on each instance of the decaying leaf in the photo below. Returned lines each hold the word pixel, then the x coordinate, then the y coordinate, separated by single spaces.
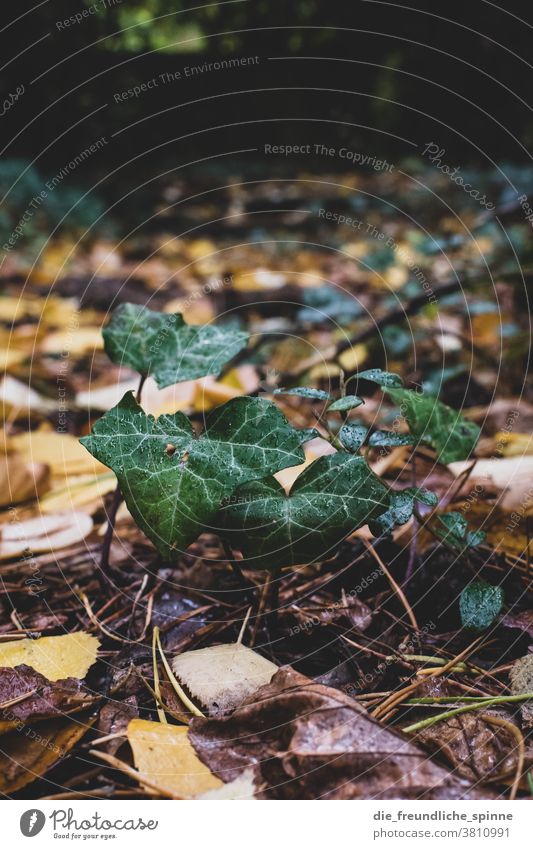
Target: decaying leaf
pixel 312 741
pixel 65 656
pixel 471 746
pixel 43 533
pixel 521 677
pixel 28 753
pixel 26 697
pixel 164 755
pixel 222 677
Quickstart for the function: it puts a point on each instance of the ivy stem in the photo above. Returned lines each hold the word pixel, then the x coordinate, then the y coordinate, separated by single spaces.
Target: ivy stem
pixel 112 514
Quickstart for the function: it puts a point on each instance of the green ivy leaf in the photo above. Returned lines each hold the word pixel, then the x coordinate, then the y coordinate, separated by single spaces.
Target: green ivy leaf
pixel 452 437
pixel 389 439
pixel 352 436
pixel 402 505
pixel 305 392
pixel 479 605
pixel 173 481
pixel 349 402
pixel 306 434
pixel 333 497
pixel 453 529
pixel 377 375
pixel 167 348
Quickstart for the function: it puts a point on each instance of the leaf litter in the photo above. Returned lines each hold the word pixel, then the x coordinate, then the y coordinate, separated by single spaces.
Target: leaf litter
pixel 317 706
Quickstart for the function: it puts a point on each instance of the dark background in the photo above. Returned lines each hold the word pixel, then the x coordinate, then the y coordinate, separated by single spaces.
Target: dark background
pixel 401 71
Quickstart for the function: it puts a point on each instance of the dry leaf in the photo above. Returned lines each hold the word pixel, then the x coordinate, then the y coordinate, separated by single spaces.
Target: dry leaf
pixel 44 533
pixel 21 481
pixel 27 696
pixel 66 656
pixel 17 399
pixel 62 452
pixel 164 755
pixel 513 475
pixel 221 677
pixel 242 787
pixel 82 491
pixel 27 754
pixel 308 740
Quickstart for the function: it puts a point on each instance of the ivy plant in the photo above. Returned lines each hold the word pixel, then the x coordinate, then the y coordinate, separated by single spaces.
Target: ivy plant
pixel 179 483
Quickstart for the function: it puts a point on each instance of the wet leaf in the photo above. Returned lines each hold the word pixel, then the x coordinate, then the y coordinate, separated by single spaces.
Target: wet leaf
pixel 174 482
pixel 164 346
pixel 307 740
pixel 479 605
pixel 333 497
pixel 383 378
pixel 353 436
pixel 452 437
pixel 349 402
pixel 305 392
pixel 389 439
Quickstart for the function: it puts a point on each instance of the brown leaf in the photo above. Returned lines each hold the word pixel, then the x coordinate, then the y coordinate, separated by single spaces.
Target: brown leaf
pixel 27 753
pixel 48 699
pixel 307 741
pixel 474 748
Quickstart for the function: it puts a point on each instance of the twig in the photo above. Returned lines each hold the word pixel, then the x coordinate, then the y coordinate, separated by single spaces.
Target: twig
pixel 397 589
pixel 497 700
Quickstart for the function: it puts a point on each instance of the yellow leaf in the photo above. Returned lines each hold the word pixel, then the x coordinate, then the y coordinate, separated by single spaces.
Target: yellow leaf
pixel 83 491
pixel 61 451
pixel 165 756
pixel 353 358
pixel 82 340
pixel 21 481
pixel 66 656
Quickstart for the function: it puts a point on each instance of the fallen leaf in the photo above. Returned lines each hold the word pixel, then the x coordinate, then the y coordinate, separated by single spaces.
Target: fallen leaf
pixel 44 533
pixel 512 475
pixel 29 753
pixel 222 677
pixel 18 400
pixel 164 755
pixel 20 480
pixel 471 746
pixel 62 452
pixel 242 787
pixel 310 741
pixel 27 696
pixel 66 656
